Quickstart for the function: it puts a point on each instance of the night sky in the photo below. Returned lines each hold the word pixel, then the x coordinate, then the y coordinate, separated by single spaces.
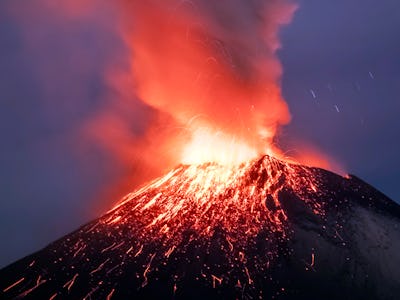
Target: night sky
pixel 341 80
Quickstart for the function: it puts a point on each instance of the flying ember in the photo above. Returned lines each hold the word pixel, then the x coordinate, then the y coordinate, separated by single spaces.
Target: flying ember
pixel 263 229
pixel 234 219
pixel 194 204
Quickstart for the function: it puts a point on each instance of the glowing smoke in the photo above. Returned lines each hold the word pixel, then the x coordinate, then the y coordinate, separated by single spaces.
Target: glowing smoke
pixel 190 67
pixel 210 64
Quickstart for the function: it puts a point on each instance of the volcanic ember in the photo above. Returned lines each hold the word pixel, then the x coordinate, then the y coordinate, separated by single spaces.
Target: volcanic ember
pixel 231 221
pixel 260 229
pixel 236 199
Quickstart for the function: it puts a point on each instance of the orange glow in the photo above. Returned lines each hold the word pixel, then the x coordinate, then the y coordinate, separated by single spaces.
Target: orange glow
pixel 201 58
pixel 198 59
pixel 14 284
pixel 186 59
pixel 207 146
pixel 240 201
pixel 200 190
pixel 312 157
pixel 191 59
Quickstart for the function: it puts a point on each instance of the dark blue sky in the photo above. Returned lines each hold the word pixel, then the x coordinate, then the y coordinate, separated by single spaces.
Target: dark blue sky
pixel 341 79
pixel 342 82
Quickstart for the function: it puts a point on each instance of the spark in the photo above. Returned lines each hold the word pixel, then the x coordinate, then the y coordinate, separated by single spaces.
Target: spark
pixel 215 280
pixel 14 284
pixel 248 276
pixel 80 249
pixel 152 202
pixel 117 246
pixel 108 248
pixel 70 283
pixel 230 244
pixel 110 294
pixel 92 228
pixel 241 256
pixel 89 295
pixel 312 260
pixel 238 284
pixel 100 266
pixel 39 282
pixel 170 250
pixel 115 220
pixel 193 203
pixel 139 251
pixel 112 269
pixel 147 270
pixel 339 236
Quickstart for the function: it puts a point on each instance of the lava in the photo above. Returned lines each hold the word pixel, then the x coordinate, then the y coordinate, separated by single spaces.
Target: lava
pixel 219 219
pixel 13 285
pixel 263 228
pixel 237 200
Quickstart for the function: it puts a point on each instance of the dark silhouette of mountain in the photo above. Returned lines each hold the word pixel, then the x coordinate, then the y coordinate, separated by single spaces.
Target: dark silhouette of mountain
pixel 266 229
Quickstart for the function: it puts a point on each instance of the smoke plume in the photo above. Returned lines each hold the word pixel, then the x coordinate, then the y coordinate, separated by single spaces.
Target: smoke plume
pixel 210 63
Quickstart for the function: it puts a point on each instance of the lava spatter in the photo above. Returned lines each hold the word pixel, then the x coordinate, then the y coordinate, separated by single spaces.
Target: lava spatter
pixel 196 204
pixel 258 230
pixel 239 200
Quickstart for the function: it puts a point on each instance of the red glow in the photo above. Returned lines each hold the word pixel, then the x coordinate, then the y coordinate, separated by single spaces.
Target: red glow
pixel 207 146
pixel 310 156
pixel 201 60
pixel 241 201
pixel 210 74
pixel 200 191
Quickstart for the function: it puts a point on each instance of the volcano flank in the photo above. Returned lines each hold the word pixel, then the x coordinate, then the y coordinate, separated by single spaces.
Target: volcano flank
pixel 265 229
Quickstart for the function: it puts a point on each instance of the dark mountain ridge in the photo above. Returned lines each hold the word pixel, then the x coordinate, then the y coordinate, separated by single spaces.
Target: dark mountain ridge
pixel 266 229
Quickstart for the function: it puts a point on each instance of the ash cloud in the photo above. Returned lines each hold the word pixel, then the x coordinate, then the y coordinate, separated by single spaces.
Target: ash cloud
pixel 95 93
pixel 215 60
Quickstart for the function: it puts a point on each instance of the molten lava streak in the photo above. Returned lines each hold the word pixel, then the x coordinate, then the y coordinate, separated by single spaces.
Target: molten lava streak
pixel 225 209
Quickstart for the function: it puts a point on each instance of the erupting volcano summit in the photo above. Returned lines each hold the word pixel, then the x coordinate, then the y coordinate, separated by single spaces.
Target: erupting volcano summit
pixel 264 229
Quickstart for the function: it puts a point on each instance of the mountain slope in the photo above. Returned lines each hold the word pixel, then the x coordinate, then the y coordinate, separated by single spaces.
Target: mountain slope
pixel 265 229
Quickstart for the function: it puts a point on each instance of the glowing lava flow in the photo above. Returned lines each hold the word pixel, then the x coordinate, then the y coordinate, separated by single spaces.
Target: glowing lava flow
pixel 195 203
pixel 212 195
pixel 263 229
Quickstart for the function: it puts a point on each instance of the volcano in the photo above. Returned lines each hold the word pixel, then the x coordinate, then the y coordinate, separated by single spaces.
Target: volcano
pixel 265 229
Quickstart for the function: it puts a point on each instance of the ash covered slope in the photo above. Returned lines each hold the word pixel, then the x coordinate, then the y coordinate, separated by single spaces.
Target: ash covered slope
pixel 265 229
